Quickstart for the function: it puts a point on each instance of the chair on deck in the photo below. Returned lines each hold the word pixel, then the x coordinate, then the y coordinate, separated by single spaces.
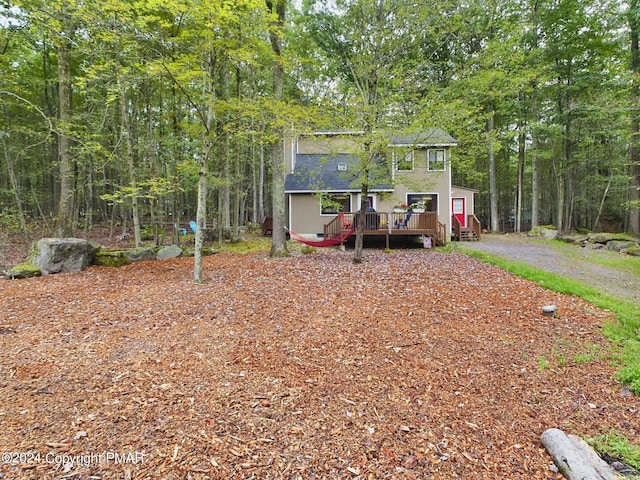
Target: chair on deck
pixel 403 223
pixel 345 223
pixel 193 226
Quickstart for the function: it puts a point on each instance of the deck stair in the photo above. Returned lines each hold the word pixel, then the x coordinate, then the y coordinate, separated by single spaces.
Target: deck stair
pixel 467 235
pixel 470 233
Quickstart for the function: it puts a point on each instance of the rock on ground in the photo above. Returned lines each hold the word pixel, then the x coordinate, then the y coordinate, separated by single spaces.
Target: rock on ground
pixel 61 255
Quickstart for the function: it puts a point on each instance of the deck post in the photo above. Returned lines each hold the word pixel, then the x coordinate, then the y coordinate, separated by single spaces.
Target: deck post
pixel 389 217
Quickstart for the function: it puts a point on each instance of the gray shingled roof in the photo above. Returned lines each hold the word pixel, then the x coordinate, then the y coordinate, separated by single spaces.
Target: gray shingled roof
pixel 317 172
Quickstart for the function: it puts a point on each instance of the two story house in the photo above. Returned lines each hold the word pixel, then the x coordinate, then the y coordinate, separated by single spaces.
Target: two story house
pixel 410 191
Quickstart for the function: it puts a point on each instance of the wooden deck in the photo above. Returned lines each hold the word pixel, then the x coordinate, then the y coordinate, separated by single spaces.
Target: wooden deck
pixel 389 224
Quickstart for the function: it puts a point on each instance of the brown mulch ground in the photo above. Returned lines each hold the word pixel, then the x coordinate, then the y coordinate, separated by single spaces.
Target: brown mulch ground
pixel 415 364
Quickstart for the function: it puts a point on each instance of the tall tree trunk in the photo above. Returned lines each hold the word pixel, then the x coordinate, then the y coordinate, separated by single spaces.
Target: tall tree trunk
pixel 88 203
pixel 208 121
pixel 225 190
pixel 254 183
pixel 362 218
pixel 535 182
pixel 15 187
pixel 493 190
pixel 131 168
pixel 518 200
pixel 238 197
pixel 64 217
pixel 201 216
pixel 237 194
pixel 261 186
pixel 278 237
pixel 602 200
pixel 559 178
pixel 634 192
pixel 535 185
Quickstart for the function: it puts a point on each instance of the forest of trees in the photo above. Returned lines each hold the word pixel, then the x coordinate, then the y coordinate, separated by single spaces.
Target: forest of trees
pixel 132 113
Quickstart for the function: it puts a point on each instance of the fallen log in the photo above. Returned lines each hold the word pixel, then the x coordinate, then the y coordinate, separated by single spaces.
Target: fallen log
pixel 574 458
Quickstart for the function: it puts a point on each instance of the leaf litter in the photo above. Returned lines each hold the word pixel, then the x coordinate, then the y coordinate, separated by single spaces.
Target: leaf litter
pixel 413 364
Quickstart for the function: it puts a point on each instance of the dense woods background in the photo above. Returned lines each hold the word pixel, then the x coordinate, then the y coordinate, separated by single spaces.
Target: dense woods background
pixel 128 113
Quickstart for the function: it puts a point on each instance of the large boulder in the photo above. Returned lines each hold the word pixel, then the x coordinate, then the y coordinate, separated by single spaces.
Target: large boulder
pixel 547 232
pixel 61 255
pixel 170 251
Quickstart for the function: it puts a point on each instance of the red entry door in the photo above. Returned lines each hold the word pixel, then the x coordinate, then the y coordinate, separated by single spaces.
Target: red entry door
pixel 458 207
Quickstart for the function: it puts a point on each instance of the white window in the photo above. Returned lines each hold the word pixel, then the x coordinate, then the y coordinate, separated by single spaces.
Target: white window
pixel 436 161
pixel 404 160
pixel 330 204
pixel 342 167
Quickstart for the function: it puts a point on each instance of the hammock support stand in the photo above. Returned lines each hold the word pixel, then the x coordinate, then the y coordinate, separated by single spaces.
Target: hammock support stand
pixel 329 242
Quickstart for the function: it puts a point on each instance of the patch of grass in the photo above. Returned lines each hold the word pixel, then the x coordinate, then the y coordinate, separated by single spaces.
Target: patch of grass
pixel 618 447
pixel 562 360
pixel 625 332
pixel 307 249
pixel 543 364
pixel 584 358
pixel 590 355
pixel 623 263
pixel 247 246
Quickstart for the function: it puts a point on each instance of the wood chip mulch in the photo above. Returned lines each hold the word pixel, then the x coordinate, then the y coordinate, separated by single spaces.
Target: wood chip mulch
pixel 415 364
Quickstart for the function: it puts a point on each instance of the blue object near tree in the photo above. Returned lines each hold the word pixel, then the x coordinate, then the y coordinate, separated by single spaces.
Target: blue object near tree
pixel 193 226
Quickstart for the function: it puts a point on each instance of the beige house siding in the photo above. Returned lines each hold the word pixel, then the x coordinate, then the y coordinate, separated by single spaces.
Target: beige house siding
pixel 304 214
pixel 420 180
pixel 467 194
pixel 328 145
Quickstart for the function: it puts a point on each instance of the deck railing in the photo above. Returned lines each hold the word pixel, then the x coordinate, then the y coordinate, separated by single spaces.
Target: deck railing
pixel 389 223
pixel 456 226
pixel 473 227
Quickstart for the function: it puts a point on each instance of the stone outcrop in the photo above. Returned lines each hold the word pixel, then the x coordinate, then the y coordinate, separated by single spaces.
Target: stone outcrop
pixel 170 251
pixel 24 270
pixel 139 254
pixel 621 245
pixel 118 258
pixel 62 255
pixel 111 258
pixel 615 242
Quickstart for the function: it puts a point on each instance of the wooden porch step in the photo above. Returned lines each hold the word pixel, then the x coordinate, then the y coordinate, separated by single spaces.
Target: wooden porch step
pixel 468 236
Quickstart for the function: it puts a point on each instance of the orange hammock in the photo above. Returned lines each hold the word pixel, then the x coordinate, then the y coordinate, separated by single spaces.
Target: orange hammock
pixel 329 242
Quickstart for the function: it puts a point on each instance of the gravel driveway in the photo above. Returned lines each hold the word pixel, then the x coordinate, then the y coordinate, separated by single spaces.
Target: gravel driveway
pixel 616 283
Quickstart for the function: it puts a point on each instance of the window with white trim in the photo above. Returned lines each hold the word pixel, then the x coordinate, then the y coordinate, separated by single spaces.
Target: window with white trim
pixel 404 161
pixel 333 203
pixel 436 160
